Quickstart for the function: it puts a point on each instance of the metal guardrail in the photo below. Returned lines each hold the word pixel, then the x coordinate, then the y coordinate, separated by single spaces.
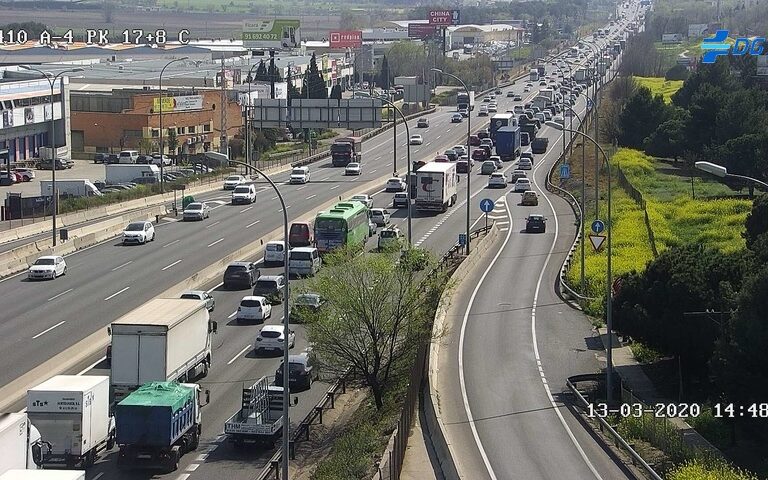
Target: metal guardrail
pixel 604 426
pixel 301 432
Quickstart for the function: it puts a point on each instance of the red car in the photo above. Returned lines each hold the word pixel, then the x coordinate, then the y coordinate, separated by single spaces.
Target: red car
pixel 479 155
pixel 474 140
pixel 442 159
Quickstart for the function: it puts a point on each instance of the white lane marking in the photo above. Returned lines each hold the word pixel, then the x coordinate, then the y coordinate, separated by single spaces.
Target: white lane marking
pixel 60 294
pixel 170 243
pixel 183 476
pixel 536 342
pixel 245 349
pixel 202 457
pixel 374 171
pixel 192 467
pixel 232 314
pixel 246 209
pixel 97 477
pixel 252 224
pixel 116 294
pixel 215 287
pixel 303 186
pixel 121 266
pixel 334 187
pixel 91 366
pixel 169 266
pixel 213 224
pixel 462 382
pixel 49 329
pixel 273 198
pixel 310 197
pixel 214 243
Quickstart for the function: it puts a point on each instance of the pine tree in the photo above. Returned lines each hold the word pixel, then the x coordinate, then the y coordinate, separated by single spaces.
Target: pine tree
pixel 383 79
pixel 336 92
pixel 314 82
pixel 261 72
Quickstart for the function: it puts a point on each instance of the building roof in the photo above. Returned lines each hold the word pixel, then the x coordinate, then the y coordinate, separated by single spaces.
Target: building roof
pixel 496 27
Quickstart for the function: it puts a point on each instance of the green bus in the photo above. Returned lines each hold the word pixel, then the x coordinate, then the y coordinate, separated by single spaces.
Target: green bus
pixel 346 223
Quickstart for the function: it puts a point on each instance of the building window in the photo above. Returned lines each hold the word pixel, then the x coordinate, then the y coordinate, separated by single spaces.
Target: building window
pixel 207 127
pixel 181 130
pixel 192 128
pixel 172 131
pixel 155 133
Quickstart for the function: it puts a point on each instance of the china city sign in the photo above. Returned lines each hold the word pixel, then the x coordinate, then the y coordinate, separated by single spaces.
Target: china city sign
pixel 444 17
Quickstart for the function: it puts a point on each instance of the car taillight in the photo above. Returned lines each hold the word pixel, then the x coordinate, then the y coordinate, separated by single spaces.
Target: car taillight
pixel 258 339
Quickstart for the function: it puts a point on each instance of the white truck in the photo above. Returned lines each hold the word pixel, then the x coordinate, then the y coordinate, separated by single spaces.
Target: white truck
pixel 580 76
pixel 259 420
pixel 43 475
pixel 465 102
pixel 533 75
pixel 71 187
pixel 436 186
pixel 166 339
pixel 71 412
pixel 16 438
pixel 120 173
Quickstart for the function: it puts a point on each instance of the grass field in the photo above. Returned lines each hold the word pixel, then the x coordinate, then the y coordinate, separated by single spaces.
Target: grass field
pixel 658 85
pixel 675 217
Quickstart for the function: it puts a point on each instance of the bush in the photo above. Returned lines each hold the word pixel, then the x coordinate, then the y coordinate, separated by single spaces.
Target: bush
pixel 643 353
pixel 715 430
pixel 699 469
pixel 678 72
pixel 351 456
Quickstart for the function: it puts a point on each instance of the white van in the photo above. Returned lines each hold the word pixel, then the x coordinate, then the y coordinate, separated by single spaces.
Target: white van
pixel 274 252
pixel 300 175
pixel 244 194
pixel 128 156
pixel 304 261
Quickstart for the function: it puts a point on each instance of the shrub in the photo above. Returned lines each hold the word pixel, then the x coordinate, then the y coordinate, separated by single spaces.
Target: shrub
pixel 643 353
pixel 699 469
pixel 351 455
pixel 715 430
pixel 678 72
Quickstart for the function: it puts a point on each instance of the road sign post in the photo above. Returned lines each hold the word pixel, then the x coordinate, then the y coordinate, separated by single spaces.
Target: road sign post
pixel 598 226
pixel 565 171
pixel 597 241
pixel 486 206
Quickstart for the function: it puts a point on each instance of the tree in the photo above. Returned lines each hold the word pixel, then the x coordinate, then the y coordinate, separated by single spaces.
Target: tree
pixel 384 78
pixel 336 92
pixel 678 72
pixel 145 145
pixel 642 114
pixel 313 82
pixel 261 72
pixel 757 221
pixel 669 138
pixel 747 155
pixel 407 59
pixel 173 141
pixel 293 92
pixel 378 313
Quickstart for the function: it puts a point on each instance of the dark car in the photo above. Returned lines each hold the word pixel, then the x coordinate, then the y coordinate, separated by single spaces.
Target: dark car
pixel 484 133
pixel 480 154
pixel 240 275
pixel 539 145
pixel 525 139
pixel 113 158
pixel 301 372
pixel 451 154
pixel 462 166
pixel 270 287
pixel 474 140
pixel 48 164
pixel 144 159
pixel 305 306
pixel 535 223
pixel 99 158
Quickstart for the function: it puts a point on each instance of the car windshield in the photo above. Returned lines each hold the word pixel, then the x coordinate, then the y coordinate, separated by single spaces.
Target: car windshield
pixel 134 227
pixel 233 178
pixel 250 303
pixel 301 256
pixel 331 224
pixel 359 198
pixel 388 234
pixel 235 269
pixel 266 285
pixel 195 206
pixel 242 190
pixel 271 334
pixel 44 261
pixel 297 171
pixel 274 247
pixel 353 165
pixel 190 296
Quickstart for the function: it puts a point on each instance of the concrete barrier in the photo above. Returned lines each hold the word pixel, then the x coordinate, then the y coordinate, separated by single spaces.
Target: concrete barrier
pixel 444 450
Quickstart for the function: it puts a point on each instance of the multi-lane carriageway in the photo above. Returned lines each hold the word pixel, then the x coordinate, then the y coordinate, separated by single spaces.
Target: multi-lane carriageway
pixel 108 280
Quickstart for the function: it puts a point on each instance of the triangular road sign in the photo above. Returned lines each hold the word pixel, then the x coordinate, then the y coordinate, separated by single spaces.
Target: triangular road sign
pixel 597 241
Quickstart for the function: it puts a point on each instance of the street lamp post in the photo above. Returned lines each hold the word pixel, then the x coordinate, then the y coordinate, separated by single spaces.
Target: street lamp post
pixel 598 79
pixel 162 147
pixel 286 325
pixel 469 152
pixel 54 151
pixel 408 161
pixel 609 274
pixel 583 203
pixel 248 116
pixel 721 171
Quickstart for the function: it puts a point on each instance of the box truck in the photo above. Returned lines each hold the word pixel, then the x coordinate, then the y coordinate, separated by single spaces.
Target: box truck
pixel 70 187
pixel 71 412
pixel 464 101
pixel 346 150
pixel 508 143
pixel 436 185
pixel 259 420
pixel 166 339
pixel 43 475
pixel 17 435
pixel 157 424
pixel 121 173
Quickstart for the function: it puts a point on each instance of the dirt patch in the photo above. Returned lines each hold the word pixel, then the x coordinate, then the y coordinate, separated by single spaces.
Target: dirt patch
pixel 322 437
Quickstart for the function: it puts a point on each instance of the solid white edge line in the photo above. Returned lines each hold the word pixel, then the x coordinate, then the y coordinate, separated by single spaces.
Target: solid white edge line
pixel 245 349
pixel 462 382
pixel 534 338
pixel 91 366
pixel 49 329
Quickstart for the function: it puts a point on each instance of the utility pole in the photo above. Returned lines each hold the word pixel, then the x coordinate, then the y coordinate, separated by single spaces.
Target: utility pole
pixel 272 74
pixel 224 142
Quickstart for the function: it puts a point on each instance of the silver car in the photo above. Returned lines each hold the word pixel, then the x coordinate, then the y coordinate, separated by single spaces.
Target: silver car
pixel 197 211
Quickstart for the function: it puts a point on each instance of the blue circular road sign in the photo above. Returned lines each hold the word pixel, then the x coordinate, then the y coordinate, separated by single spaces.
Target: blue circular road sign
pixel 486 205
pixel 598 226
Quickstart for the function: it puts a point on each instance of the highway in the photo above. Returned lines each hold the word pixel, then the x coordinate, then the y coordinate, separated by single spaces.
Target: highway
pixel 513 343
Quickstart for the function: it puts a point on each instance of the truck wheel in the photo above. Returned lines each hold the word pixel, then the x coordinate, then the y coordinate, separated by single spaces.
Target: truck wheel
pixel 173 460
pixel 195 441
pixel 205 370
pixel 111 443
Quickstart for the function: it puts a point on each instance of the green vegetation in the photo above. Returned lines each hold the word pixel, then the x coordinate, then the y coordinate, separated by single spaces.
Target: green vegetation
pixel 714 429
pixel 643 353
pixel 660 86
pixel 708 470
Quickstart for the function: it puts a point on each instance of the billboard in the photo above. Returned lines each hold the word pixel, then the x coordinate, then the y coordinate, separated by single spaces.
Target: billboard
pixel 346 39
pixel 276 33
pixel 668 38
pixel 444 17
pixel 422 30
pixel 178 104
pixel 698 30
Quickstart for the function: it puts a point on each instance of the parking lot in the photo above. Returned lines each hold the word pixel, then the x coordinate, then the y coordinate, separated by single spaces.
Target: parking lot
pixel 82 169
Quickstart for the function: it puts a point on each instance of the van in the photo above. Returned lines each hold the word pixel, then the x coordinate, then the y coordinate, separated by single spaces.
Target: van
pixel 274 252
pixel 128 156
pixel 304 261
pixel 301 234
pixel 244 194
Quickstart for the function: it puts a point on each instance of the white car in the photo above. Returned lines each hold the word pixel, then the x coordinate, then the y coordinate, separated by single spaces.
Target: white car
pixel 460 150
pixel 50 266
pixel 157 159
pixel 483 111
pixel 253 308
pixel 274 252
pixel 416 139
pixel 493 108
pixel 139 233
pixel 522 185
pixel 395 184
pixel 380 216
pixel 353 168
pixel 362 198
pixel 202 296
pixel 524 164
pixel 196 211
pixel 27 174
pixel 272 338
pixel 244 194
pixel 518 109
pixel 526 89
pixel 233 180
pixel 300 175
pixel 456 118
pixel 497 180
pixel 559 119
